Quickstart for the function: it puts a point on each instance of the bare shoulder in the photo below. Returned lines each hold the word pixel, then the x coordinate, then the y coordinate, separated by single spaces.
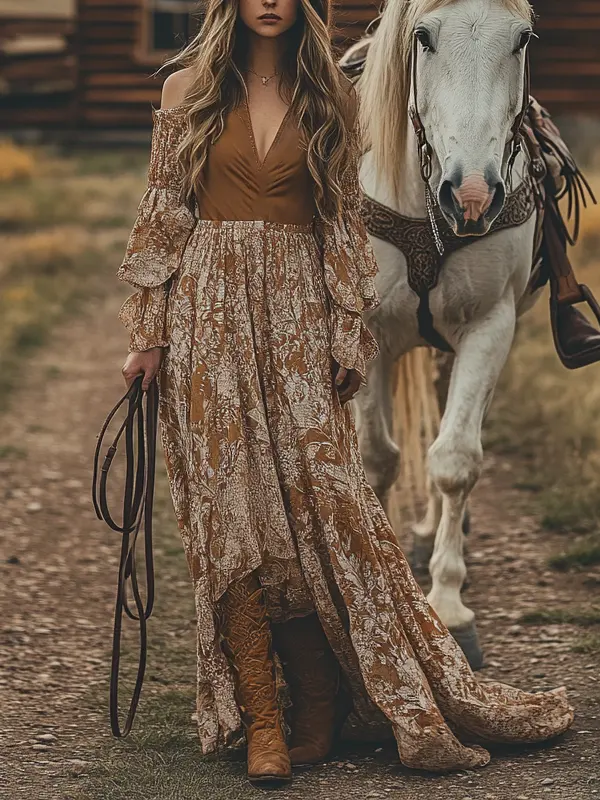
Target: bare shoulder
pixel 175 88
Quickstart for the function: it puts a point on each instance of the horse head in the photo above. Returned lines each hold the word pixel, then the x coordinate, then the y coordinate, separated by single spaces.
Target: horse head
pixel 459 68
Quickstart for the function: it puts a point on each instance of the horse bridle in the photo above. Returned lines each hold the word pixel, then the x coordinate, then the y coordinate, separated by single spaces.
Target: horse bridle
pixel 515 143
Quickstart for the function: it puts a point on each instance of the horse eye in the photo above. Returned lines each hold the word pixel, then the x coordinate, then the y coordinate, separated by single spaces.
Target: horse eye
pixel 424 38
pixel 523 41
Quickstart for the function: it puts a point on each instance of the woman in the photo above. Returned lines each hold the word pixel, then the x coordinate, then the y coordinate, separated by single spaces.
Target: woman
pixel 252 269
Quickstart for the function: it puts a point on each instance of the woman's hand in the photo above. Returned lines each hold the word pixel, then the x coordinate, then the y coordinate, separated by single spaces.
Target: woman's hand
pixel 347 382
pixel 146 363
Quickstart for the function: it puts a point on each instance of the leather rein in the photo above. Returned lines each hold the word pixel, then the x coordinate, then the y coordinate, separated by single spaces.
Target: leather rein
pixel 139 427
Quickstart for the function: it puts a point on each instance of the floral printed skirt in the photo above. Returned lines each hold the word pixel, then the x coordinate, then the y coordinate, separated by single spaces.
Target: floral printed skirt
pixel 266 475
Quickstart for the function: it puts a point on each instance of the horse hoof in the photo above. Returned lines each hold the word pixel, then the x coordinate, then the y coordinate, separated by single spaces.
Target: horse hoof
pixel 420 556
pixel 466 524
pixel 468 639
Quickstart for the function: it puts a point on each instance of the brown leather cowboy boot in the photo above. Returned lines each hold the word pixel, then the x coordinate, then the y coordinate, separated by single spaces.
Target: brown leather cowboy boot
pixel 312 673
pixel 577 341
pixel 247 642
pixel 578 335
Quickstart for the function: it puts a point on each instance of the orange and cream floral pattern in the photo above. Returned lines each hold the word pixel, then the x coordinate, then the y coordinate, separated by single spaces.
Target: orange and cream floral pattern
pixel 265 469
pixel 350 269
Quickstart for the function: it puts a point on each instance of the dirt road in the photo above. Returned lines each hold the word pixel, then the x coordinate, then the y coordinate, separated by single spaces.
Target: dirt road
pixel 58 567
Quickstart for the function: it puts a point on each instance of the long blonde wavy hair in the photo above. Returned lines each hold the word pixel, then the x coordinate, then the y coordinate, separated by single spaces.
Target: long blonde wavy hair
pixel 310 77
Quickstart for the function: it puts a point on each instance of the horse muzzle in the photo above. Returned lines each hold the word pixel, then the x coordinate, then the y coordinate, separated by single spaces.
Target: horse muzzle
pixel 471 205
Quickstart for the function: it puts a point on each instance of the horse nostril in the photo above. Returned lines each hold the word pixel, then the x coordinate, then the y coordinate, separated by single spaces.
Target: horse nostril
pixel 498 201
pixel 473 202
pixel 448 200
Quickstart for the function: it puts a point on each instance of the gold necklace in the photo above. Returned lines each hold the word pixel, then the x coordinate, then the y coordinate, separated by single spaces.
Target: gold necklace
pixel 264 78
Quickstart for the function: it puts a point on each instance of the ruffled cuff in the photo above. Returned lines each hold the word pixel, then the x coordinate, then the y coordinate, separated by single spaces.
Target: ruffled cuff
pixel 158 239
pixel 352 343
pixel 144 314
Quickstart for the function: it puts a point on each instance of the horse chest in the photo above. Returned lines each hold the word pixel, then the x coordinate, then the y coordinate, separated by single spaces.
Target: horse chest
pixel 414 238
pixel 457 287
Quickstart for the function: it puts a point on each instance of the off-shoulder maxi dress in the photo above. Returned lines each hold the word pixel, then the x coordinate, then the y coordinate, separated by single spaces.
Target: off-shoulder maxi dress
pixel 253 294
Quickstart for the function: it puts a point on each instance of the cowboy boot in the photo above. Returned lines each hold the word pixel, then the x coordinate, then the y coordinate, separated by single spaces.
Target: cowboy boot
pixel 247 643
pixel 577 341
pixel 313 674
pixel 578 336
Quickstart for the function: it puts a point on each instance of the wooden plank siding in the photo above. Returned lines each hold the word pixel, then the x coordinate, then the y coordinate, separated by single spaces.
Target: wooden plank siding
pixel 111 78
pixel 116 88
pixel 38 72
pixel 565 60
pixel 350 18
pixel 103 78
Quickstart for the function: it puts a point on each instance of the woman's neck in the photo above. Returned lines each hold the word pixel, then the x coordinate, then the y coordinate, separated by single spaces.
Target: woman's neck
pixel 264 56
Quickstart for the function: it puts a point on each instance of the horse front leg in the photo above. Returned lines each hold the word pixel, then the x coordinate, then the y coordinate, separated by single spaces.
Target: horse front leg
pixel 372 409
pixel 455 461
pixel 425 530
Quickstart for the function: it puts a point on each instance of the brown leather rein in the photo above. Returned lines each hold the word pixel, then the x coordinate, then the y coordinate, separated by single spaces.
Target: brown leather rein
pixel 139 428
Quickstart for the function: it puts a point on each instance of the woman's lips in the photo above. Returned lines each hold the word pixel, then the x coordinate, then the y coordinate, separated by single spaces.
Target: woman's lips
pixel 270 18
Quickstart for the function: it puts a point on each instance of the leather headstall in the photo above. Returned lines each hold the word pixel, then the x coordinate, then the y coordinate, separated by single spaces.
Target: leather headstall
pixel 515 143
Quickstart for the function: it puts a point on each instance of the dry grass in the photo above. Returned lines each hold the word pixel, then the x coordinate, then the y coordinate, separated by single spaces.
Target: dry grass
pixel 549 415
pixel 588 645
pixel 584 618
pixel 16 163
pixel 93 191
pixel 63 228
pixel 161 758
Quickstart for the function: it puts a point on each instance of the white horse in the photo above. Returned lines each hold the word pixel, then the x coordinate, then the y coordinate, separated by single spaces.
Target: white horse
pixel 470 85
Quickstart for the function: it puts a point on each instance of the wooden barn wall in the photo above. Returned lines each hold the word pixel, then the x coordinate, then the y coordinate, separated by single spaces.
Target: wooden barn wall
pixel 565 60
pixel 351 17
pixel 115 88
pixel 36 81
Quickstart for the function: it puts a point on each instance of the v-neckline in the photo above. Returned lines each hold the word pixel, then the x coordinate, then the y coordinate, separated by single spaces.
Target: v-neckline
pixel 252 137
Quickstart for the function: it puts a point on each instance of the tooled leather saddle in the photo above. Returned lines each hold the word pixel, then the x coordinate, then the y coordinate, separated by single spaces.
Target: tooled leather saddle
pixel 553 175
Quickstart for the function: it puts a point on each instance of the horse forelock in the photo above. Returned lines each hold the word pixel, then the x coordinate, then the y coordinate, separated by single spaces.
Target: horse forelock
pixel 384 86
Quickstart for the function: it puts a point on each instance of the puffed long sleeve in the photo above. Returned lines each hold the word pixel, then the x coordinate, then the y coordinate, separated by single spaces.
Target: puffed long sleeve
pixel 160 233
pixel 350 266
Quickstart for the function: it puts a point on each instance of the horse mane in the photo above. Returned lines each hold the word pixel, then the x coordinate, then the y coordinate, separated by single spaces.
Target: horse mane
pixel 384 86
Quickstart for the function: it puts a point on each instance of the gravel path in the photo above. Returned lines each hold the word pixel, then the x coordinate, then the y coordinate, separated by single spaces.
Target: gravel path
pixel 58 567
